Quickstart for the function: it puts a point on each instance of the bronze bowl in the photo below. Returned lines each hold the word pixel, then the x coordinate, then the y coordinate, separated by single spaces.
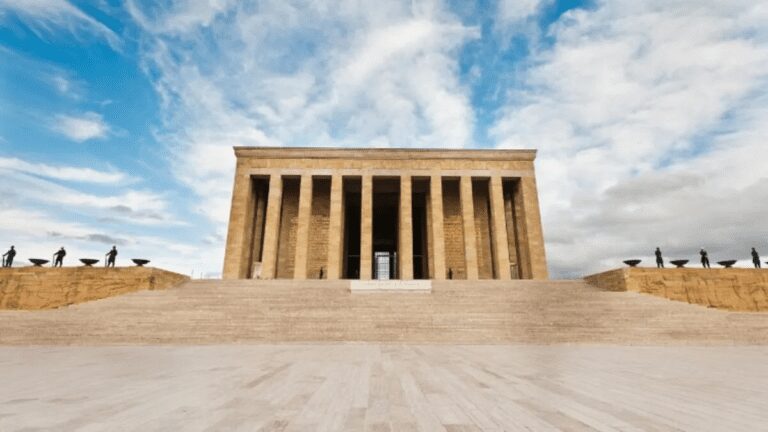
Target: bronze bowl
pixel 89 262
pixel 679 263
pixel 727 263
pixel 38 262
pixel 140 262
pixel 633 262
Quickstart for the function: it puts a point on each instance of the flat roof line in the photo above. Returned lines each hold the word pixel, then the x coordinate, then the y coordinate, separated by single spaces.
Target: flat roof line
pixel 389 153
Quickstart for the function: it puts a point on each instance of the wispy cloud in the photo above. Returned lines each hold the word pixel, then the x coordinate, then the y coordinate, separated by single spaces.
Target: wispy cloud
pixel 83 127
pixel 66 173
pixel 66 86
pixel 648 134
pixel 512 12
pixel 133 207
pixel 49 16
pixel 319 73
pixel 38 233
pixel 650 115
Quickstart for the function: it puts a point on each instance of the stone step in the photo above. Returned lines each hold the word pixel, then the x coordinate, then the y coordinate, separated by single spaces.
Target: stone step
pixel 212 311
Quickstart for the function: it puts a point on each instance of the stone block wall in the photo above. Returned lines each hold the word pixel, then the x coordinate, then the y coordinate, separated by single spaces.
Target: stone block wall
pixel 318 228
pixel 48 288
pixel 482 229
pixel 511 219
pixel 289 219
pixel 732 289
pixel 534 236
pixel 284 166
pixel 453 228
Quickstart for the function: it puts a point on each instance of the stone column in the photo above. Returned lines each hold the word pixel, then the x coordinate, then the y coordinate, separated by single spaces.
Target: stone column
pixel 240 227
pixel 302 228
pixel 468 219
pixel 366 228
pixel 405 237
pixel 521 235
pixel 272 227
pixel 533 230
pixel 260 203
pixel 499 229
pixel 438 235
pixel 335 251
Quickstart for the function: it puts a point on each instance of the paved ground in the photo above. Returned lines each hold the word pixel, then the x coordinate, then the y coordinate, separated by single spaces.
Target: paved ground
pixel 383 387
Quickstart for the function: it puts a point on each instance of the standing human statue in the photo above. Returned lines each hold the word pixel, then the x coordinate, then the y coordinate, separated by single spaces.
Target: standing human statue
pixel 111 255
pixel 659 258
pixel 704 258
pixel 58 257
pixel 755 258
pixel 8 257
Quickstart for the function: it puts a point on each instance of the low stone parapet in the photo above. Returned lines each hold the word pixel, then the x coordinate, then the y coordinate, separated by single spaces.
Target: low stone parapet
pixel 48 288
pixel 734 289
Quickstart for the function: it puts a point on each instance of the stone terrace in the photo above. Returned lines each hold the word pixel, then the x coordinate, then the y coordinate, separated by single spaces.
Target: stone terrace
pixel 486 312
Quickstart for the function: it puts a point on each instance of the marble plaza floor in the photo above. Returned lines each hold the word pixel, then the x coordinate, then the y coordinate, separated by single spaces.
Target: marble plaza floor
pixel 379 387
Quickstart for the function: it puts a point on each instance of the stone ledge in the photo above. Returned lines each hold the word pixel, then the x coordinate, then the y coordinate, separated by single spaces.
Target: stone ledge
pixel 34 288
pixel 357 286
pixel 383 153
pixel 736 289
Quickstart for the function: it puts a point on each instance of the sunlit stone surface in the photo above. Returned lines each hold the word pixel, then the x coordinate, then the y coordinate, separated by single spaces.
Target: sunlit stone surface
pixel 360 387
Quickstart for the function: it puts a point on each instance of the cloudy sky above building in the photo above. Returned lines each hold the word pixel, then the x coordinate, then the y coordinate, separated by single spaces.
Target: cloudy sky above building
pixel 117 118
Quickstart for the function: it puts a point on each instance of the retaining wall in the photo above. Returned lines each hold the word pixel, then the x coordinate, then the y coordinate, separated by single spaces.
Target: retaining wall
pixel 48 288
pixel 734 289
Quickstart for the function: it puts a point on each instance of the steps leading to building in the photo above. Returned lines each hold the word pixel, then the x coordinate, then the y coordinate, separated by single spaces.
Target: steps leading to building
pixel 247 311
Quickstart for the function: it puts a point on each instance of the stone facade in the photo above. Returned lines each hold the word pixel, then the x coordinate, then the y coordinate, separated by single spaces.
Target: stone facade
pixel 306 213
pixel 47 288
pixel 454 230
pixel 318 238
pixel 733 289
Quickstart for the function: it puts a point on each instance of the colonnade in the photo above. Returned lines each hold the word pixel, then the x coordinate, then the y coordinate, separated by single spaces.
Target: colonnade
pixel 498 226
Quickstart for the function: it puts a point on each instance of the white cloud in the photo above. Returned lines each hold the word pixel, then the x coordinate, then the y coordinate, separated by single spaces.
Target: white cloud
pixel 650 117
pixel 40 215
pixel 132 207
pixel 37 234
pixel 510 12
pixel 66 173
pixel 62 84
pixel 65 85
pixel 179 17
pixel 640 108
pixel 81 128
pixel 298 73
pixel 45 16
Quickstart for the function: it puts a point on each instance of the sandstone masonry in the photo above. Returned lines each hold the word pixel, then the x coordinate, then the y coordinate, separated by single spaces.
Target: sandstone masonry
pixel 307 213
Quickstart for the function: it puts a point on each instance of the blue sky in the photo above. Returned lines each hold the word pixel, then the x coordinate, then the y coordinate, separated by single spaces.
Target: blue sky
pixel 117 118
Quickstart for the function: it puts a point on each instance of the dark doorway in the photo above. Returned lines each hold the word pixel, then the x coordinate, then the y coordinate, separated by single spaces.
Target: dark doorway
pixel 351 228
pixel 386 210
pixel 419 224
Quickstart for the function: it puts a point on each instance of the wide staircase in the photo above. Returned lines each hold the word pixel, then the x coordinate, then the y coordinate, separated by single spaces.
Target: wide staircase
pixel 485 312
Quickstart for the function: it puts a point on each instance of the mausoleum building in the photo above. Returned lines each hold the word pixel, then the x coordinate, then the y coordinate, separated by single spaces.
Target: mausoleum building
pixel 330 213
